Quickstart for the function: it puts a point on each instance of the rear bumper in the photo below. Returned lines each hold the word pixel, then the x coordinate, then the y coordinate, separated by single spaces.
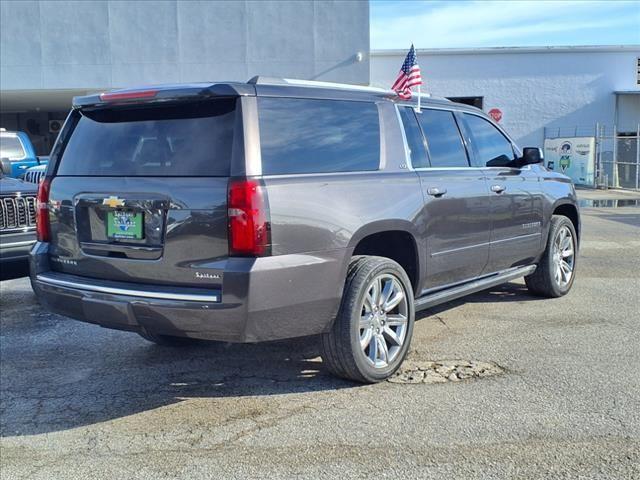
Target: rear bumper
pixel 16 246
pixel 261 299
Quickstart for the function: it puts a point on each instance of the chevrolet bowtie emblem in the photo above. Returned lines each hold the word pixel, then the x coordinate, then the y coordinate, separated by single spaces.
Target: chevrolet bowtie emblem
pixel 113 202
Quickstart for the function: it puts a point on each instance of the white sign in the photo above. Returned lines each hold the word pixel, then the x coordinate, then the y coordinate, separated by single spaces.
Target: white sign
pixel 573 156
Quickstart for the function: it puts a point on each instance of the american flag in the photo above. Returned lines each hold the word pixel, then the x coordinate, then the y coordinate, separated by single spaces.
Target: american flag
pixel 408 76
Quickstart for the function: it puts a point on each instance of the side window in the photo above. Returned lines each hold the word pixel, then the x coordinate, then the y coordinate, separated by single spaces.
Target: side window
pixel 11 147
pixel 415 140
pixel 443 139
pixel 318 136
pixel 489 143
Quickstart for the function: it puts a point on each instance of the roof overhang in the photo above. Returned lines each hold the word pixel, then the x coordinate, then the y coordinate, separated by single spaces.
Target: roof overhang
pixel 510 50
pixel 23 101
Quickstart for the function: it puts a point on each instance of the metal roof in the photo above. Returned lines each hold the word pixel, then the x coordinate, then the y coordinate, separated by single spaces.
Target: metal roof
pixel 511 50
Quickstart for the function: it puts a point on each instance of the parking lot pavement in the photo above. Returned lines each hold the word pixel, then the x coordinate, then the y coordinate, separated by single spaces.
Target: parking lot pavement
pixel 78 401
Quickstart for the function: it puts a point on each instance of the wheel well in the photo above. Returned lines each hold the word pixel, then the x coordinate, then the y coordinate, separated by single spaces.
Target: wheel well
pixel 571 212
pixel 397 245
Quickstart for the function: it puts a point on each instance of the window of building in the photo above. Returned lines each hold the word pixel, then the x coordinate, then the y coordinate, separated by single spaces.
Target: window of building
pixel 415 140
pixel 444 143
pixel 473 101
pixel 488 142
pixel 318 136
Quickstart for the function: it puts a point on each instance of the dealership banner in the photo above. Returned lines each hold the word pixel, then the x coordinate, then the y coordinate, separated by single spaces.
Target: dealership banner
pixel 573 156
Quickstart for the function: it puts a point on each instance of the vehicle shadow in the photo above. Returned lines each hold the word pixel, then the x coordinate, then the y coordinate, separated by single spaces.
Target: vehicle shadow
pixel 59 386
pixel 59 374
pixel 508 292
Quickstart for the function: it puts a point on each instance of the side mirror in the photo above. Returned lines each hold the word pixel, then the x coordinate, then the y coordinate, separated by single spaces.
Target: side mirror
pixel 5 166
pixel 501 161
pixel 531 156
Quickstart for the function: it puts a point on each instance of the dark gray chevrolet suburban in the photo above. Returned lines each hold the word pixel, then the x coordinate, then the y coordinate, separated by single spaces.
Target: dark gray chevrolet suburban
pixel 272 209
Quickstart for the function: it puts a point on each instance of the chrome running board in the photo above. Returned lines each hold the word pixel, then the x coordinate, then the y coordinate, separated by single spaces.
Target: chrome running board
pixel 473 286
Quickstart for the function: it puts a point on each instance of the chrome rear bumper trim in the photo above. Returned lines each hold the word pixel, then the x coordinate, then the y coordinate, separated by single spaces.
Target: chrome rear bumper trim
pixel 187 297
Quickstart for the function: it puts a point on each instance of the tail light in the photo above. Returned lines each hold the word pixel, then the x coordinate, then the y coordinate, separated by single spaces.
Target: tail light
pixel 42 211
pixel 249 228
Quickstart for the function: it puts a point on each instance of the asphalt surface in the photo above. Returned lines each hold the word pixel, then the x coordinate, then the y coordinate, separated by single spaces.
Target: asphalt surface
pixel 82 402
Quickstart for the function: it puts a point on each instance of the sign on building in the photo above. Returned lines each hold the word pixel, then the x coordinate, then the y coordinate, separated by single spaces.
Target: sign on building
pixel 496 114
pixel 573 156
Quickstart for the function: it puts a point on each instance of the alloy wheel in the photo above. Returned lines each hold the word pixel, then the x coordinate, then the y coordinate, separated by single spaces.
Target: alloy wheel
pixel 563 256
pixel 383 320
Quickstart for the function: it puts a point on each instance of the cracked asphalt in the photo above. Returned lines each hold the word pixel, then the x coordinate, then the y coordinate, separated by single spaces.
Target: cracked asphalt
pixel 81 402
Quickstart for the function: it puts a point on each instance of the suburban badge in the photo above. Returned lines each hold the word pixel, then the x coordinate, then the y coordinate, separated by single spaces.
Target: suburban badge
pixel 212 276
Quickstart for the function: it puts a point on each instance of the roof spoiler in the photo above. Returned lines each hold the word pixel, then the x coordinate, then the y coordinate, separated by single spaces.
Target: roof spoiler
pixel 163 93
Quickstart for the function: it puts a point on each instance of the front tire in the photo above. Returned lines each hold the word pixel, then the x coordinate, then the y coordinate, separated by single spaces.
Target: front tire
pixel 556 270
pixel 372 332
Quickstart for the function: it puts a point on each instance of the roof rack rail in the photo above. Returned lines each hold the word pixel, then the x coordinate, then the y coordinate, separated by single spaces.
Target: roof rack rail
pixel 259 80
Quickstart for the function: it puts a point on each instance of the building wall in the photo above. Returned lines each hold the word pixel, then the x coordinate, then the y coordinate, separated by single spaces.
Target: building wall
pixel 534 88
pixel 50 45
pixel 36 125
pixel 53 50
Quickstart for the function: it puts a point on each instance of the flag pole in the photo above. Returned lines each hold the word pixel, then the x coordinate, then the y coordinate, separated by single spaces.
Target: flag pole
pixel 419 96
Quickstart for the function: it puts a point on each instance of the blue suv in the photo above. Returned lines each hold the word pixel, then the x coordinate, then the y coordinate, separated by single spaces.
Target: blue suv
pixel 16 153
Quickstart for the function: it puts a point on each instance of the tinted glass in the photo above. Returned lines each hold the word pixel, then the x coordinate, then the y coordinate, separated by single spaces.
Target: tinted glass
pixel 179 140
pixel 317 136
pixel 443 139
pixel 11 147
pixel 488 141
pixel 415 141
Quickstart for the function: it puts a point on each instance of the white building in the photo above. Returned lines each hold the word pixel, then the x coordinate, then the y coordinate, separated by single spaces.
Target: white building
pixel 53 50
pixel 558 89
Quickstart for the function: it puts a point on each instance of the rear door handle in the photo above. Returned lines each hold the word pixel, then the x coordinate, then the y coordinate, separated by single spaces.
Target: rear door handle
pixel 498 188
pixel 436 191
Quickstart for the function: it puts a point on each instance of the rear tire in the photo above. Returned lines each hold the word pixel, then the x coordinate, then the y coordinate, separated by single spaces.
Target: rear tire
pixel 371 334
pixel 556 269
pixel 168 340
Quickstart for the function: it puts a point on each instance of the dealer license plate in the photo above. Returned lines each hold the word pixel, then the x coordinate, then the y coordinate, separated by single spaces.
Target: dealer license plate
pixel 125 224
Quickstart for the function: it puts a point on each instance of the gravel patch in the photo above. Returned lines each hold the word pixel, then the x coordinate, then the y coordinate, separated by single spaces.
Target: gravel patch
pixel 442 371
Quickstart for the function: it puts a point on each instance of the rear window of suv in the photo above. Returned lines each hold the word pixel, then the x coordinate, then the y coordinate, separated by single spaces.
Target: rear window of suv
pixel 318 136
pixel 11 147
pixel 188 139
